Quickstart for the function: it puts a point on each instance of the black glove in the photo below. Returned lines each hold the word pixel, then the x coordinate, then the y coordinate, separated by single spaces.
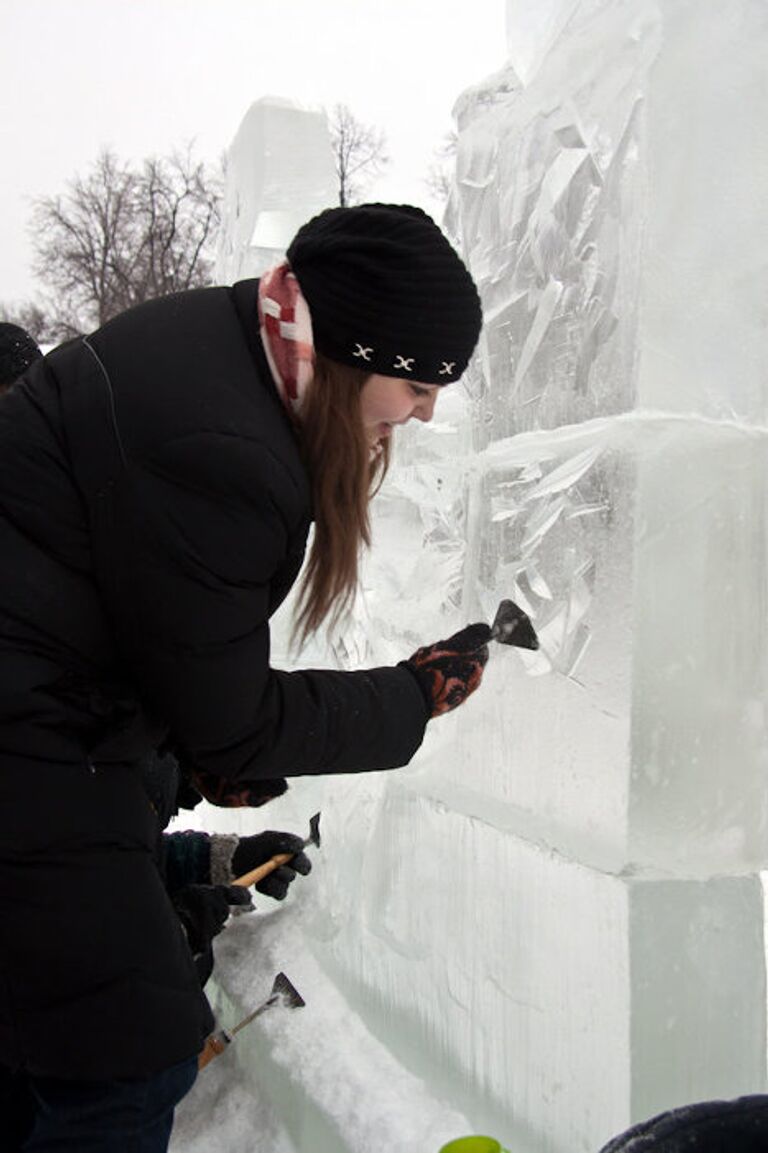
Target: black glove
pixel 450 670
pixel 254 851
pixel 203 910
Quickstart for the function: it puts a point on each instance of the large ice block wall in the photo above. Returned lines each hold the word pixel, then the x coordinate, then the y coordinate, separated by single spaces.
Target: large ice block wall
pixel 555 915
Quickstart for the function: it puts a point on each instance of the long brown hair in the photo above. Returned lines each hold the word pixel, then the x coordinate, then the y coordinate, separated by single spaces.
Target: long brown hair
pixel 344 476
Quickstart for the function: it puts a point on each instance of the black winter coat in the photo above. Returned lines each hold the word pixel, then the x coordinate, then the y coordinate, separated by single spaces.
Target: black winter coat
pixel 154 511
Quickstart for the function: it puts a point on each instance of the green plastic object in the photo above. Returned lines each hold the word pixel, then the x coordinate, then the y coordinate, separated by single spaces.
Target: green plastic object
pixel 473 1145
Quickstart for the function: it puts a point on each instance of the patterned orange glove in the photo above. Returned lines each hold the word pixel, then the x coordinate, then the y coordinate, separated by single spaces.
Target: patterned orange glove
pixel 237 794
pixel 450 670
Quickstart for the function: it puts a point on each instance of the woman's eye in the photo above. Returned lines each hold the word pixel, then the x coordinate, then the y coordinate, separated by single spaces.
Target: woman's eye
pixel 419 391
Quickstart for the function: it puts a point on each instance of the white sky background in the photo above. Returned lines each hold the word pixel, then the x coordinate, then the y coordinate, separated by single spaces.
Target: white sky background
pixel 146 76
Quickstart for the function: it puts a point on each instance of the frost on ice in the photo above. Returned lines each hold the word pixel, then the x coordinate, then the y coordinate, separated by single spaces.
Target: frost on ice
pixel 551 924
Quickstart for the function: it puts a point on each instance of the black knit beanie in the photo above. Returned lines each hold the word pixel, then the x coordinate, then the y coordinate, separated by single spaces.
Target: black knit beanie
pixel 17 351
pixel 387 292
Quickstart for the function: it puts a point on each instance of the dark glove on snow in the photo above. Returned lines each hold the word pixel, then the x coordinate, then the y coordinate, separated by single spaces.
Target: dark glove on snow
pixel 450 670
pixel 254 851
pixel 203 910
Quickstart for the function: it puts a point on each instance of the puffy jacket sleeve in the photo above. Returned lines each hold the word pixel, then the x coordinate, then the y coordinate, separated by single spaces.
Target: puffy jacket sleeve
pixel 195 539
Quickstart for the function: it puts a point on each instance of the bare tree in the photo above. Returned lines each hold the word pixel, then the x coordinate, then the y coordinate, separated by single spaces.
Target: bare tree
pixel 440 173
pixel 359 151
pixel 123 234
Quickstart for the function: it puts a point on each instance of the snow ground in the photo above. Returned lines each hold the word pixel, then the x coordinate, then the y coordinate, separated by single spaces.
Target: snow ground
pixel 295 1072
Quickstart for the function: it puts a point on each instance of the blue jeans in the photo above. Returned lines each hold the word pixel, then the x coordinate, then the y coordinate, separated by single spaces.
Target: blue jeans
pixel 126 1116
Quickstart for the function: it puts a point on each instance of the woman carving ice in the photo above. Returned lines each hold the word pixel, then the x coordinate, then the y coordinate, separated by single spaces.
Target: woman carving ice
pixel 158 480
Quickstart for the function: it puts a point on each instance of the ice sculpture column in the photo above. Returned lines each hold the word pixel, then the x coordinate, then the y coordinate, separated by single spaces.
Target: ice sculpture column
pixel 612 186
pixel 280 172
pixel 555 915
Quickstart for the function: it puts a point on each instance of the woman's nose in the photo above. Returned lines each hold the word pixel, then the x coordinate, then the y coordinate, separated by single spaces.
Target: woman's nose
pixel 426 407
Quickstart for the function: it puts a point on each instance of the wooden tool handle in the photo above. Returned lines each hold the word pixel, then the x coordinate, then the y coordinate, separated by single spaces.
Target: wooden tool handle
pixel 264 870
pixel 215 1045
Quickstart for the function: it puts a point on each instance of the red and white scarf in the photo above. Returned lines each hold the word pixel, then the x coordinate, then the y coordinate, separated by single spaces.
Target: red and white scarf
pixel 286 333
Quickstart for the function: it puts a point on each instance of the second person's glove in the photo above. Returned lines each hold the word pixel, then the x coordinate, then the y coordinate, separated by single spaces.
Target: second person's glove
pixel 254 851
pixel 450 670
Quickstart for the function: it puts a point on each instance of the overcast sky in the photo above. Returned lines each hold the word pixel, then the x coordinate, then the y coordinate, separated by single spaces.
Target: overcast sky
pixel 145 76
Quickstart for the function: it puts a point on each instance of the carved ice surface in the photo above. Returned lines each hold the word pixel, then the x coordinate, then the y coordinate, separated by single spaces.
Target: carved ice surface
pixel 554 916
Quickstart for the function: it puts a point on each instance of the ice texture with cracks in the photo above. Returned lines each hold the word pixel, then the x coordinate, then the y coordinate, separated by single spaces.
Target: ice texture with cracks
pixel 554 917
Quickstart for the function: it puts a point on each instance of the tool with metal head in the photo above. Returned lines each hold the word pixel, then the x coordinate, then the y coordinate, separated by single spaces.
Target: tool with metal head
pixel 511 626
pixel 283 993
pixel 255 875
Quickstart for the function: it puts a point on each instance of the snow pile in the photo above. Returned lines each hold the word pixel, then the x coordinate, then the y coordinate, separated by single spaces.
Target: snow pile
pixel 309 1078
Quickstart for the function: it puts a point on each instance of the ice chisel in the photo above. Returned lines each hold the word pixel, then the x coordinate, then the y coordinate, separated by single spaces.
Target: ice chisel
pixel 511 626
pixel 258 874
pixel 283 993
